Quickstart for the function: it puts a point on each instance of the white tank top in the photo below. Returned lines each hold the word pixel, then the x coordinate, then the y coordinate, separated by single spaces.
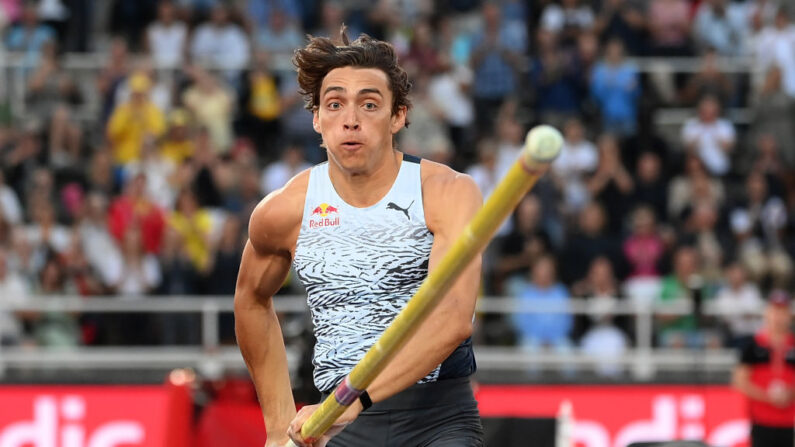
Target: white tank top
pixel 360 266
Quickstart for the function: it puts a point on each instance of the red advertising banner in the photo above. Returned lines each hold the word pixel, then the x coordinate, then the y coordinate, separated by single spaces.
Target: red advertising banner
pixel 96 416
pixel 616 416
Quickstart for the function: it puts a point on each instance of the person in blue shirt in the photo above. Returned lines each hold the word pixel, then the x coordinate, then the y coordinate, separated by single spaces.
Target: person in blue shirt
pixel 29 35
pixel 615 88
pixel 542 330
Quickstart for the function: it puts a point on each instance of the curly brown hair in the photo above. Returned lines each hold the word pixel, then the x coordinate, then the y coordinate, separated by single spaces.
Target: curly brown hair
pixel 321 55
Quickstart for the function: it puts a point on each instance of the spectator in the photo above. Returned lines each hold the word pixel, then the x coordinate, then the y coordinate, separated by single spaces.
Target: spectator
pixel 558 93
pixel 276 174
pixel 13 290
pixel 739 302
pixel 693 185
pixel 30 35
pixel 510 138
pixel 644 248
pixel 567 19
pixel 224 267
pixel 769 163
pixel 422 53
pixel 623 20
pixel 177 144
pixel 650 186
pixel 112 76
pixel 45 235
pixel 166 38
pixel 100 249
pixel 134 211
pixel 611 184
pixel 193 226
pixel 135 122
pixel 160 90
pixel 710 137
pixel 280 37
pixel 702 233
pixel 449 93
pixel 773 111
pixel 220 44
pixel 616 90
pixel 757 224
pixel 709 81
pixel 669 27
pixel 484 172
pixel 720 27
pixel 10 208
pixel 526 243
pixel 603 341
pixel 578 159
pixel 773 47
pixel 537 331
pixel 589 240
pixel 55 329
pixel 212 105
pixel 53 97
pixel 159 175
pixel 261 106
pixel 496 58
pixel 427 124
pixel 680 331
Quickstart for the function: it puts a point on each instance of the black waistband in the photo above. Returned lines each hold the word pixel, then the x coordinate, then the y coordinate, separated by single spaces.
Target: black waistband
pixel 426 395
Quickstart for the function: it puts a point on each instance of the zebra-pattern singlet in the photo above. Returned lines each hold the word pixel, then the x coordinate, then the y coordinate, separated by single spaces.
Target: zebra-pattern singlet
pixel 360 266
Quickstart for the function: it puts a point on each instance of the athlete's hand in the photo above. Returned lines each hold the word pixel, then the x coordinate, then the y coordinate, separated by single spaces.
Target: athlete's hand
pixel 294 432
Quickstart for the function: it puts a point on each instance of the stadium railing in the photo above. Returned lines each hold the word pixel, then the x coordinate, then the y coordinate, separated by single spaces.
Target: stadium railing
pixel 642 362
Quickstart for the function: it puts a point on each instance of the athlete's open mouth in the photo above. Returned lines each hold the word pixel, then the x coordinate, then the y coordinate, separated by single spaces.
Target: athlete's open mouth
pixel 351 144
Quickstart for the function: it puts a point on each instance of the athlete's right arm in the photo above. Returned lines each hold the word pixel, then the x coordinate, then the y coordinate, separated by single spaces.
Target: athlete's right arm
pixel 273 230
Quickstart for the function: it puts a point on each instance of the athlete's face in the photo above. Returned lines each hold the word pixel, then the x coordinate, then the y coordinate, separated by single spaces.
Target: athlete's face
pixel 355 118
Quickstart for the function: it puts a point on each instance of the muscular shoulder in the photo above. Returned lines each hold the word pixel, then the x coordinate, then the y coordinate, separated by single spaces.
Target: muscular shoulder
pixel 447 192
pixel 276 221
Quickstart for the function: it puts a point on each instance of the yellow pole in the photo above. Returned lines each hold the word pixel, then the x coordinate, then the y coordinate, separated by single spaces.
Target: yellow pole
pixel 542 146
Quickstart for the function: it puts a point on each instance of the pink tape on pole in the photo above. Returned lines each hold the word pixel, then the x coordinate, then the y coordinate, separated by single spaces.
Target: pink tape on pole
pixel 345 394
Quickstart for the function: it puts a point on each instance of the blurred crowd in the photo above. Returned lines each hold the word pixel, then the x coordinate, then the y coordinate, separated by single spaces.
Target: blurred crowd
pixel 198 117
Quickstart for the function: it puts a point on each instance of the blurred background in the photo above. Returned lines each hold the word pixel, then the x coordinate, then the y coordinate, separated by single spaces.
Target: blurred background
pixel 136 136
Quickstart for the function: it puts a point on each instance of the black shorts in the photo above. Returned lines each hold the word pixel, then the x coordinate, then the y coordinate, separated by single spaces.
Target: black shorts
pixel 438 414
pixel 762 436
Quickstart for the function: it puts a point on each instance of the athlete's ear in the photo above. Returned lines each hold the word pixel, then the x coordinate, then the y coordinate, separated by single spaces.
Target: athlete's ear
pixel 399 119
pixel 315 121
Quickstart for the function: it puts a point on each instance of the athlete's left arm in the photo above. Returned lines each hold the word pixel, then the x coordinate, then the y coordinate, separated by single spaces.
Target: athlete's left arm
pixel 451 200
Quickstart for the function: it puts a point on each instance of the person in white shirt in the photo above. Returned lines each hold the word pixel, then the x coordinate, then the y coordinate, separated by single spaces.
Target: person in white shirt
pixel 220 43
pixel 166 38
pixel 775 45
pixel 739 302
pixel 13 290
pixel 276 174
pixel 710 137
pixel 578 158
pixel 10 208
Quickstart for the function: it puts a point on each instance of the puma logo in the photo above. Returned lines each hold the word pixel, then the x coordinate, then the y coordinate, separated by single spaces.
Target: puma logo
pixel 393 206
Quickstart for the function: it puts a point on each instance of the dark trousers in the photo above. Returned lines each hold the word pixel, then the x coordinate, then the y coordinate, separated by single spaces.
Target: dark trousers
pixel 438 414
pixel 762 436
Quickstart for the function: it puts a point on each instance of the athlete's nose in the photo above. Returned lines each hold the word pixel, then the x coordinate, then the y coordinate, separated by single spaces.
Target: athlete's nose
pixel 351 121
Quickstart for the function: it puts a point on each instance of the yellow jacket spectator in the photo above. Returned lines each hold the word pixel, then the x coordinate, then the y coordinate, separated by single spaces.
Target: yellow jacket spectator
pixel 193 225
pixel 134 121
pixel 177 145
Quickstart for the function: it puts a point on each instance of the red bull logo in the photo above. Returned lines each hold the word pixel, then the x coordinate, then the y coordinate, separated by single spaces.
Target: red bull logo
pixel 322 211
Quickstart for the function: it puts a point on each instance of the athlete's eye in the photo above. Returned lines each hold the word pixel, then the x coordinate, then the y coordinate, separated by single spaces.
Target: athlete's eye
pixel 334 105
pixel 370 106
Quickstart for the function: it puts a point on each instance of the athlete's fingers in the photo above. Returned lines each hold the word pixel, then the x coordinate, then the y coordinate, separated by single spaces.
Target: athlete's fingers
pixel 294 431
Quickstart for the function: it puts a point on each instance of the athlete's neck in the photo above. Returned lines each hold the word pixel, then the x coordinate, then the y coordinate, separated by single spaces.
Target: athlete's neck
pixel 363 189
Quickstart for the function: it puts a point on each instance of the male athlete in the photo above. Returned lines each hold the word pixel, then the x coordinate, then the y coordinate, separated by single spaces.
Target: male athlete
pixel 362 231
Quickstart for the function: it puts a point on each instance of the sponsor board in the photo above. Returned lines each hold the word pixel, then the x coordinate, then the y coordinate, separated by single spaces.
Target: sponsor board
pixel 616 416
pixel 112 416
